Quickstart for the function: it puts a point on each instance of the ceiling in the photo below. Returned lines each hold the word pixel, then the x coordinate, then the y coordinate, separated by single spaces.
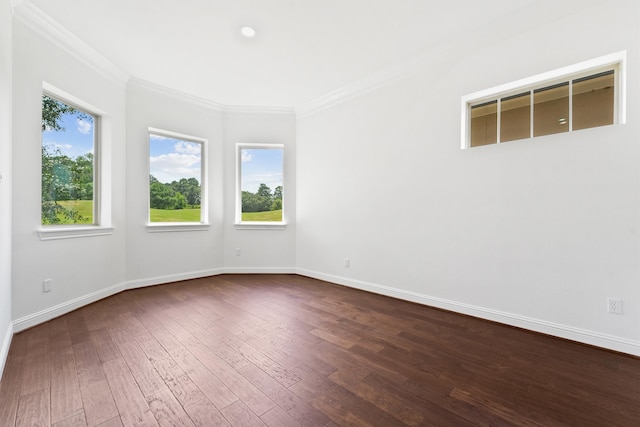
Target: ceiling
pixel 303 49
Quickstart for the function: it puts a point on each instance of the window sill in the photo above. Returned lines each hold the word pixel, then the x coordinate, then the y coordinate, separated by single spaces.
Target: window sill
pixel 57 233
pixel 171 227
pixel 260 225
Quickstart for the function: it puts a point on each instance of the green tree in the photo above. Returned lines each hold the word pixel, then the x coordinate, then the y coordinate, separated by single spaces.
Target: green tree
pixel 58 171
pixel 162 196
pixel 276 204
pixel 165 196
pixel 255 203
pixel 82 177
pixel 179 201
pixel 190 189
pixel 264 191
pixel 52 112
pixel 277 193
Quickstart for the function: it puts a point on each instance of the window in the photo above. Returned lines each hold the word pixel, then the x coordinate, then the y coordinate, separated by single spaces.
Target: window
pixel 583 96
pixel 70 145
pixel 176 178
pixel 260 190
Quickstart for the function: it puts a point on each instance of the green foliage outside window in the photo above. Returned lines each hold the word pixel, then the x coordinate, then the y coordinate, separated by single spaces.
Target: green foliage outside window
pixel 64 178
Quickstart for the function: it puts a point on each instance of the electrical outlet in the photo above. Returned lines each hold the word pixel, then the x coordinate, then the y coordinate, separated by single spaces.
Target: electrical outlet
pixel 346 263
pixel 238 252
pixel 46 285
pixel 614 305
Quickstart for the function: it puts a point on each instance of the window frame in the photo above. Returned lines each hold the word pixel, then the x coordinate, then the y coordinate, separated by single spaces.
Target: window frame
pixel 203 224
pixel 615 61
pixel 101 225
pixel 249 225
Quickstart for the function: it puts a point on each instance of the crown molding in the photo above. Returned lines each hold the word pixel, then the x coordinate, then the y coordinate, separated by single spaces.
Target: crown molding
pixel 247 109
pixel 402 70
pixel 439 53
pixel 367 84
pixel 34 18
pixel 137 83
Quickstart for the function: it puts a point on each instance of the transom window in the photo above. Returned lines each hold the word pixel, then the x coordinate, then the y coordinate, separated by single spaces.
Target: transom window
pixel 567 100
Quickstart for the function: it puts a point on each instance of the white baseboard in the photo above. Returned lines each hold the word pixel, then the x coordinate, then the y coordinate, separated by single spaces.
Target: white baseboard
pixel 66 307
pixel 4 350
pixel 159 280
pixel 260 270
pixel 60 309
pixel 597 339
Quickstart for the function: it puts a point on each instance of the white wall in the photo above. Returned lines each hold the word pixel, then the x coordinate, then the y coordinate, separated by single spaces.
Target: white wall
pixel 535 233
pixel 5 180
pixel 260 250
pixel 89 268
pixel 532 233
pixel 81 269
pixel 155 257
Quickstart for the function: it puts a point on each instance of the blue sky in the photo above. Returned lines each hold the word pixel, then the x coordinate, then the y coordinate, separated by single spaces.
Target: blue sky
pixel 75 140
pixel 261 165
pixel 171 159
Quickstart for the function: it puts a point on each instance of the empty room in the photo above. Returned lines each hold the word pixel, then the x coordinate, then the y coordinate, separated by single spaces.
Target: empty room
pixel 319 213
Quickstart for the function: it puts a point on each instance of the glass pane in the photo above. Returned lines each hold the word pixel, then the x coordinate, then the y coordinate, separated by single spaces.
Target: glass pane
pixel 261 184
pixel 484 124
pixel 515 117
pixel 551 110
pixel 174 180
pixel 67 164
pixel 593 101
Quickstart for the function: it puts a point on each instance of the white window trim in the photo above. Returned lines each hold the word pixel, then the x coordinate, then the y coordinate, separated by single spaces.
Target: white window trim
pixel 102 174
pixel 256 225
pixel 170 227
pixel 73 232
pixel 615 60
pixel 203 225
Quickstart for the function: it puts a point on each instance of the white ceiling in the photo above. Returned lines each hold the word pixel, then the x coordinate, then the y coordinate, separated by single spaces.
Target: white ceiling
pixel 303 50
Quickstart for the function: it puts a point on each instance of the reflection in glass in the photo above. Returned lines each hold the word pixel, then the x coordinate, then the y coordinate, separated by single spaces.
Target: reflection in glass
pixel 593 98
pixel 484 124
pixel 515 117
pixel 551 109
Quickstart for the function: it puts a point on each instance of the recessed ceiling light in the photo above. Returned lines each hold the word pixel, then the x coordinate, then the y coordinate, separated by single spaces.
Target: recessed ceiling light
pixel 247 31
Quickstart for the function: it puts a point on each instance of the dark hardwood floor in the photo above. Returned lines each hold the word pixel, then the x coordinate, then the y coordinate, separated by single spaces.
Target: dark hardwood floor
pixel 281 350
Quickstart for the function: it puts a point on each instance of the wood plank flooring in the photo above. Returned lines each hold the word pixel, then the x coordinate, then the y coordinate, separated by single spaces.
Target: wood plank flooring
pixel 285 350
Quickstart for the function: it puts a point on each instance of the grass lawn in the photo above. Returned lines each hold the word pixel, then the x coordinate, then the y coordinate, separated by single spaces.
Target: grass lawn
pixel 262 216
pixel 175 215
pixel 84 208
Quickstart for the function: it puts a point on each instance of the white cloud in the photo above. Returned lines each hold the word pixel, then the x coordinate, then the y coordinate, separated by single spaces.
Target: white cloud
pixel 174 166
pixel 247 156
pixel 155 137
pixel 57 146
pixel 84 127
pixel 185 147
